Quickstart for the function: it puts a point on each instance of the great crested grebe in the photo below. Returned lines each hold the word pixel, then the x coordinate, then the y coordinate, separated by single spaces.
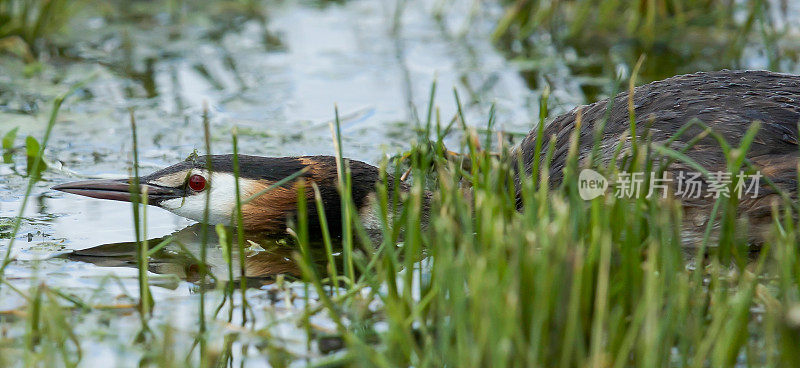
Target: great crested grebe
pixel 726 101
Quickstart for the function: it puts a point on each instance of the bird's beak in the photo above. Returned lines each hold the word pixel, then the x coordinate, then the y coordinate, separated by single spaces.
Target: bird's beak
pixel 118 190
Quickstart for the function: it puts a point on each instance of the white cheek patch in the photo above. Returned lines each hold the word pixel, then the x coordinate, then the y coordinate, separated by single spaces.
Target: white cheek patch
pixel 221 188
pixel 174 180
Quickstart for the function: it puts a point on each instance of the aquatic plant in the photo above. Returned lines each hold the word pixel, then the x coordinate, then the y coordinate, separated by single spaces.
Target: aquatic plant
pixel 23 23
pixel 564 282
pixel 677 36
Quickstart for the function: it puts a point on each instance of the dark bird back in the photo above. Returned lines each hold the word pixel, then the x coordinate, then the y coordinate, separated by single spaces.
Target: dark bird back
pixel 728 102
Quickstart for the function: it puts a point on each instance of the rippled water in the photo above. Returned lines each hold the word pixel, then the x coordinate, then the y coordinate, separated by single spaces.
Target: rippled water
pixel 281 97
pixel 277 76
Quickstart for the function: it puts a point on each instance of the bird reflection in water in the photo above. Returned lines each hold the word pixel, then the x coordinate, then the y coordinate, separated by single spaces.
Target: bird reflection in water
pixel 265 257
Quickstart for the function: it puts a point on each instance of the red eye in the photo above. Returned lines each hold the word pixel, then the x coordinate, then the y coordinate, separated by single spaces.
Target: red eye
pixel 197 183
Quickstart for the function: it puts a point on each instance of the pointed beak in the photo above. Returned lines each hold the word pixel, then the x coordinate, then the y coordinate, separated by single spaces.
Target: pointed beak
pixel 118 190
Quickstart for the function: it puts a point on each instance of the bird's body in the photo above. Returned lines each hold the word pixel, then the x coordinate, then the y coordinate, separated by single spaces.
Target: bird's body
pixel 727 101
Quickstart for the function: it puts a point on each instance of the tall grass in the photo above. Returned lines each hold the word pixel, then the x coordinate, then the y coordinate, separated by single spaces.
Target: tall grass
pixel 563 282
pixel 139 206
pixel 465 278
pixel 202 329
pixel 239 228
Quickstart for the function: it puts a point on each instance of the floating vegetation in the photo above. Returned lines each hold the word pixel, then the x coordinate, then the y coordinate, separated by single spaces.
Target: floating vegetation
pixel 677 36
pixel 25 23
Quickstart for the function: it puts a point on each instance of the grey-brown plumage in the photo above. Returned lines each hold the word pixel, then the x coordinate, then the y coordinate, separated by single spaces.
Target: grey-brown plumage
pixel 727 101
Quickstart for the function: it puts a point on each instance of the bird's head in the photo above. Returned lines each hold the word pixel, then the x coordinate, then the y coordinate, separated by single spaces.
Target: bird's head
pixel 183 188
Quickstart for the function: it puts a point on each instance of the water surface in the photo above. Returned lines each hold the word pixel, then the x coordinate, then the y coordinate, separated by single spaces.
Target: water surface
pixel 277 76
